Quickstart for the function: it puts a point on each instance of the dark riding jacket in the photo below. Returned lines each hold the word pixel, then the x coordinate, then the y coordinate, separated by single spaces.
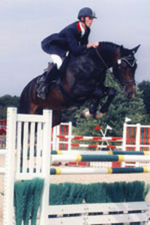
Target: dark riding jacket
pixel 69 39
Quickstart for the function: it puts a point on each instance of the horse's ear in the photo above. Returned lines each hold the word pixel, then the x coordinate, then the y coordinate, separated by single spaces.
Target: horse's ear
pixel 134 50
pixel 121 47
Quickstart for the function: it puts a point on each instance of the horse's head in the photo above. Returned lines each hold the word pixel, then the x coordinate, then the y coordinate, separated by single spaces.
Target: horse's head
pixel 124 69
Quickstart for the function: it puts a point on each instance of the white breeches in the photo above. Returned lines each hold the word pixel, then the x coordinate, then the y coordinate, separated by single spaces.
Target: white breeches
pixel 56 59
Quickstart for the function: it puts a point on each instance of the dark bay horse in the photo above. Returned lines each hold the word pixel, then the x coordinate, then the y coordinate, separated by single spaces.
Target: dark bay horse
pixel 83 81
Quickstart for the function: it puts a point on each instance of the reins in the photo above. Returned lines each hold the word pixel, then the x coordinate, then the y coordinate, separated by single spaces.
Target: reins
pixel 101 58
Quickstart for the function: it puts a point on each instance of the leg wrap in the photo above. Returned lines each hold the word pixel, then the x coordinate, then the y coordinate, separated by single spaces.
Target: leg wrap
pixel 93 106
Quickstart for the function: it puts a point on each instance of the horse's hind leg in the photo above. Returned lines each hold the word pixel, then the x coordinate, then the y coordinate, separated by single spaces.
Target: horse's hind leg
pixel 33 108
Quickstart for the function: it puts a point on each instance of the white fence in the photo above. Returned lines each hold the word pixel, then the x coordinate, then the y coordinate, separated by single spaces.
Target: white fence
pixel 25 133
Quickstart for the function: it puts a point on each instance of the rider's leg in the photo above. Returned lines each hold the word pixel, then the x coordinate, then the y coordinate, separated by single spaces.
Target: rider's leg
pixel 49 77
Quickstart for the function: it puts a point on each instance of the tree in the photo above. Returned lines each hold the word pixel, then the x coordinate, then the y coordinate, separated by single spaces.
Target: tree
pixel 7 101
pixel 144 86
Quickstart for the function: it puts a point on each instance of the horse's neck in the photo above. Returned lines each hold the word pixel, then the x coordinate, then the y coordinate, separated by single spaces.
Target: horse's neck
pixel 107 51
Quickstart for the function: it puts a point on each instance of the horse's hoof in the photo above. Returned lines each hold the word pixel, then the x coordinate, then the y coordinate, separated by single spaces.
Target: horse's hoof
pixel 85 113
pixel 99 115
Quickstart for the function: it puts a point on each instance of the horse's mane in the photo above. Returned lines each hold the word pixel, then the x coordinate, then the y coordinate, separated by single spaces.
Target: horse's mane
pixel 108 45
pixel 111 47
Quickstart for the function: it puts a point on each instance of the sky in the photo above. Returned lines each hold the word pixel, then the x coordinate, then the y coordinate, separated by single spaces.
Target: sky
pixel 25 23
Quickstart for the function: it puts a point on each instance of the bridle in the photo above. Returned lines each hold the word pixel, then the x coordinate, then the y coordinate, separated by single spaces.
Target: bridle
pixel 129 60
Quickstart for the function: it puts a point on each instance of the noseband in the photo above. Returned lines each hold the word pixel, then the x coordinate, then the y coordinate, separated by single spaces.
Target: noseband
pixel 130 60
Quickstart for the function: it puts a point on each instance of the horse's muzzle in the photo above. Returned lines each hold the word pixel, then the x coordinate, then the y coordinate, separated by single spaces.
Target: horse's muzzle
pixel 130 93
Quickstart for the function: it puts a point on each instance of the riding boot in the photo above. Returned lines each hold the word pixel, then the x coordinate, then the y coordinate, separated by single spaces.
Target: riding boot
pixel 49 78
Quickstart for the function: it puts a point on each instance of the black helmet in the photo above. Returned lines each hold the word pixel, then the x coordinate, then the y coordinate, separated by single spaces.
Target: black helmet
pixel 86 12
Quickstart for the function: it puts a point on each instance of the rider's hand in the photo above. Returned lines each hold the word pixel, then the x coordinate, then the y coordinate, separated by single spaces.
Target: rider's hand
pixel 93 44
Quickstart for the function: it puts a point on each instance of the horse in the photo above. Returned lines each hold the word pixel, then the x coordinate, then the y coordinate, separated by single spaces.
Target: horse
pixel 84 80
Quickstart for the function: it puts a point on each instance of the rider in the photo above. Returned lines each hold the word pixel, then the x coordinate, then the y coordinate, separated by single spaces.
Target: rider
pixel 72 39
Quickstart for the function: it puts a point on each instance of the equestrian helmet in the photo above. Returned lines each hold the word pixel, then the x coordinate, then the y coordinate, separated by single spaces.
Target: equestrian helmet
pixel 86 11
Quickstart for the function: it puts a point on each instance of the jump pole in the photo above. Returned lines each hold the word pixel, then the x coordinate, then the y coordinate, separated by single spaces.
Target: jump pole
pixel 116 152
pixel 100 158
pixel 88 170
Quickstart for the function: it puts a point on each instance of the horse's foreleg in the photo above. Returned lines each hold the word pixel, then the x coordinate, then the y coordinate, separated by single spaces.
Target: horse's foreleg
pixel 93 106
pixel 87 113
pixel 98 93
pixel 111 92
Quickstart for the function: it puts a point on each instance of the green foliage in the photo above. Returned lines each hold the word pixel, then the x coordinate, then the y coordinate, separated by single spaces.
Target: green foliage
pixel 7 101
pixel 144 86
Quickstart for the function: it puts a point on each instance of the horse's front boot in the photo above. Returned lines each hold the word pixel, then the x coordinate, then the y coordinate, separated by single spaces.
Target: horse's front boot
pixel 99 115
pixel 93 106
pixel 85 113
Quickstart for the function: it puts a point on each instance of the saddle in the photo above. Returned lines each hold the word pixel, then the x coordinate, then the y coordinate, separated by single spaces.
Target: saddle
pixel 49 67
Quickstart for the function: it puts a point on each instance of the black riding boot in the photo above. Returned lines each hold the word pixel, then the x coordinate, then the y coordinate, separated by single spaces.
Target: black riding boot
pixel 44 85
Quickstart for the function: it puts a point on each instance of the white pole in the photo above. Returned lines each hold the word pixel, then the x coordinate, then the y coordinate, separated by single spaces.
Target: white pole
pixel 46 165
pixel 138 133
pixel 124 136
pixel 56 138
pixel 10 167
pixel 69 136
